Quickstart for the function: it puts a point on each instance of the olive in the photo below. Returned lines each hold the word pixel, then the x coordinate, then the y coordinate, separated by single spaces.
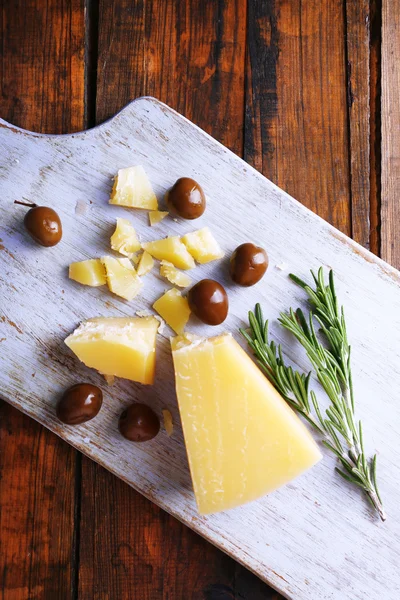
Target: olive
pixel 43 224
pixel 138 423
pixel 186 199
pixel 248 264
pixel 208 300
pixel 79 404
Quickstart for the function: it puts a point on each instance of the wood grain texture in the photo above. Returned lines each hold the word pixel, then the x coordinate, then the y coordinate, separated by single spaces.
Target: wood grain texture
pixel 390 132
pixel 42 82
pixel 41 64
pixel 358 20
pixel 375 125
pixel 36 516
pixel 190 55
pixel 296 123
pixel 345 553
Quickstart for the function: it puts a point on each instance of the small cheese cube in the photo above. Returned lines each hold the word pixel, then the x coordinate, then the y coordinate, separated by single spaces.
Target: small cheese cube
pixel 88 272
pixel 174 276
pixel 122 278
pixel 117 346
pixel 155 216
pixel 132 188
pixel 202 245
pixel 124 239
pixel 171 249
pixel 242 439
pixel 174 309
pixel 146 263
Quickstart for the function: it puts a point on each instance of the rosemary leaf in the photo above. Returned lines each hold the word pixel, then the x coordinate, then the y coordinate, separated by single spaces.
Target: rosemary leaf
pixel 341 433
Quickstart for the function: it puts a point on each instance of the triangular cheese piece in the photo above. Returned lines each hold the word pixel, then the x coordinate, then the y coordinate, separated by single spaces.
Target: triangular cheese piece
pixel 242 439
pixel 117 346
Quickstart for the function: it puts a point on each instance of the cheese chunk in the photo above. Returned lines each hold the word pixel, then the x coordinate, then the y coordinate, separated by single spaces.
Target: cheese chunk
pixel 146 263
pixel 202 245
pixel 155 216
pixel 132 188
pixel 122 278
pixel 172 250
pixel 174 309
pixel 124 239
pixel 242 439
pixel 88 272
pixel 174 276
pixel 117 346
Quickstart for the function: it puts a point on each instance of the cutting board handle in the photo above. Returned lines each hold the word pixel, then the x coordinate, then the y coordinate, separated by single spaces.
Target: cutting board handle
pixel 127 108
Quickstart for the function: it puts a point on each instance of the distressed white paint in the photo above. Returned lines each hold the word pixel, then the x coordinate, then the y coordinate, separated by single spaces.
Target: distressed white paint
pixel 316 538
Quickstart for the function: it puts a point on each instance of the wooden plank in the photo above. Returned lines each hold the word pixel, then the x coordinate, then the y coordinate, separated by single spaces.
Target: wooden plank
pixel 296 122
pixel 41 77
pixel 390 132
pixel 42 65
pixel 358 104
pixel 188 54
pixel 346 552
pixel 37 514
pixel 156 49
pixel 375 125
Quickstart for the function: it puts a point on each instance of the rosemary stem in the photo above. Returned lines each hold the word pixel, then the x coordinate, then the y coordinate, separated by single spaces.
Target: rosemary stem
pixel 338 426
pixel 377 504
pixel 351 458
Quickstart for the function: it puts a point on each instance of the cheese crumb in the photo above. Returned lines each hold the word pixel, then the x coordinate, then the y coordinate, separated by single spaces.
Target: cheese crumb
pixel 81 207
pixel 143 313
pixel 109 379
pixel 168 423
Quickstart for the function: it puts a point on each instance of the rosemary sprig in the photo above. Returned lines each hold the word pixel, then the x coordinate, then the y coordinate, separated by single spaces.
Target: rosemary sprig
pixel 340 430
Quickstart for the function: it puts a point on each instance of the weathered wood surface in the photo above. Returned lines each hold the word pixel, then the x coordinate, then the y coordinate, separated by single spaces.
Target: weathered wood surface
pixel 390 132
pixel 316 537
pixel 42 88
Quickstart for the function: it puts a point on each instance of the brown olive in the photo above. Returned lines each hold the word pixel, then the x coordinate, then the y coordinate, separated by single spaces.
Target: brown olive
pixel 79 404
pixel 208 300
pixel 248 264
pixel 43 224
pixel 138 423
pixel 186 199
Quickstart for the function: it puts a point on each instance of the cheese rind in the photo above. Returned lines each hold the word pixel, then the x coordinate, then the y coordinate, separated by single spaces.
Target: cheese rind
pixel 88 272
pixel 117 346
pixel 242 439
pixel 202 245
pixel 132 188
pixel 174 309
pixel 171 249
pixel 124 239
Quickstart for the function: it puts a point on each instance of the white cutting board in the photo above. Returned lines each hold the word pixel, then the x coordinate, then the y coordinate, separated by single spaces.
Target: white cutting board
pixel 315 539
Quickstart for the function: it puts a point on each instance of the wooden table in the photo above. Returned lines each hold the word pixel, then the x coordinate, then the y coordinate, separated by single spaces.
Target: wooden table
pixel 306 92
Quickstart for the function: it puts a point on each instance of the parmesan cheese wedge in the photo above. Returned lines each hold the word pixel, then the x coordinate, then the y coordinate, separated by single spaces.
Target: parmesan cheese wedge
pixel 242 439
